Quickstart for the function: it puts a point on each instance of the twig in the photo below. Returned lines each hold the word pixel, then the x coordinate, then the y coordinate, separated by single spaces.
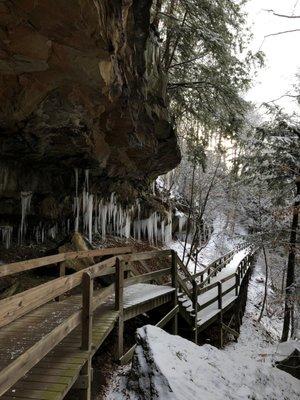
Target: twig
pixel 282 15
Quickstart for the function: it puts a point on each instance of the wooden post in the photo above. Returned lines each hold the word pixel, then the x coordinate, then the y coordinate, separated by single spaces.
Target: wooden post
pixel 208 273
pixel 221 316
pixel 195 306
pixel 87 311
pixel 62 272
pixel 119 291
pixel 174 285
pixel 220 295
pixel 87 330
pixel 237 282
pixel 221 331
pixel 174 268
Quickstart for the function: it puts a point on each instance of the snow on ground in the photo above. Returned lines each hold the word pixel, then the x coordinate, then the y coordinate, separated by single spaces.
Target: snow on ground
pixel 222 241
pixel 272 319
pixel 169 367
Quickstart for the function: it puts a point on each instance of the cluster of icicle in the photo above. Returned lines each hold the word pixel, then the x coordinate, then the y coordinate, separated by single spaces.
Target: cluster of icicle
pixel 6 235
pixel 203 235
pixel 93 215
pixel 110 217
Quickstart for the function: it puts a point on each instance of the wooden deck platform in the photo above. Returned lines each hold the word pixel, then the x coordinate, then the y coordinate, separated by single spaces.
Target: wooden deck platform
pixel 53 377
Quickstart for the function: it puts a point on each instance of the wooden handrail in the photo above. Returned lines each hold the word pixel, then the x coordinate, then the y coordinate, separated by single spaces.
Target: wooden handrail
pixel 225 259
pixel 147 255
pixel 181 265
pixel 20 304
pixel 26 265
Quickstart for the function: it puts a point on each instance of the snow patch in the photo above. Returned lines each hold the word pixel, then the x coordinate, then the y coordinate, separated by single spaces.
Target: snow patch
pixel 169 367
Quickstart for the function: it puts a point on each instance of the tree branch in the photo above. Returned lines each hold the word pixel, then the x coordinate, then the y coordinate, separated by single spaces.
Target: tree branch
pixel 282 15
pixel 188 84
pixel 294 96
pixel 282 32
pixel 187 61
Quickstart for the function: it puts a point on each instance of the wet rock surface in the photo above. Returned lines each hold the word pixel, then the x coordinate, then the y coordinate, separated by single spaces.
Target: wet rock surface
pixel 81 87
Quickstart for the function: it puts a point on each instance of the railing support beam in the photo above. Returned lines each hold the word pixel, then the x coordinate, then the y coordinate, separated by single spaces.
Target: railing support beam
pixel 175 285
pixel 119 306
pixel 87 329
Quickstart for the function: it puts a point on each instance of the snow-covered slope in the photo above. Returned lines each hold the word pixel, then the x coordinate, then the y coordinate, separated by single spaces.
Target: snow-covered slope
pixel 222 241
pixel 168 367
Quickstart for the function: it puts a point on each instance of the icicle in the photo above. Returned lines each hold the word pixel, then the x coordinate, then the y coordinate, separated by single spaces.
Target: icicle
pixel 6 234
pixel 76 212
pixel 25 208
pixel 90 216
pixel 153 188
pixel 181 223
pixel 76 181
pixel 52 232
pixel 127 226
pixel 168 229
pixel 86 183
pixel 76 206
pixel 3 178
pixel 163 231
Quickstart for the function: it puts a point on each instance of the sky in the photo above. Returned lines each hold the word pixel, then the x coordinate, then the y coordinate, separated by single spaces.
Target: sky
pixel 282 52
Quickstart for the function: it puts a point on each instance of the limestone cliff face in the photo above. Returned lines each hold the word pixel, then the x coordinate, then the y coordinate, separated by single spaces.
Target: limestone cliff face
pixel 81 87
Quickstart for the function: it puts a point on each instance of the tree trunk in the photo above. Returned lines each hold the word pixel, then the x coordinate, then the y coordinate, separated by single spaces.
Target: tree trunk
pixel 290 276
pixel 266 284
pixel 188 225
pixel 156 13
pixel 195 238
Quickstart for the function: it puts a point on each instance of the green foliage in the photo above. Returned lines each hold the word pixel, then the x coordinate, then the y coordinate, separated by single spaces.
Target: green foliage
pixel 204 52
pixel 272 153
pixel 196 153
pixel 270 165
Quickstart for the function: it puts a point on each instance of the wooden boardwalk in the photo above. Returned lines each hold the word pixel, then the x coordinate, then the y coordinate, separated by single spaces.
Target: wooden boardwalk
pixel 46 346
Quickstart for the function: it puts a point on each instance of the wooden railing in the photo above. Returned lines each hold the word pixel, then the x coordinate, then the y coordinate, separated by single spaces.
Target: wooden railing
pixel 21 266
pixel 121 267
pixel 18 305
pixel 237 276
pixel 216 266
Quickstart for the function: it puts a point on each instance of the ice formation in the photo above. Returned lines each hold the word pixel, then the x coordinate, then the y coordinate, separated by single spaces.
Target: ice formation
pixel 6 235
pixel 94 215
pixel 25 208
pixel 3 178
pixel 110 217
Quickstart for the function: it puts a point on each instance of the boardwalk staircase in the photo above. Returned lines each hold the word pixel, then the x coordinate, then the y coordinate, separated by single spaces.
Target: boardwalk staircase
pixel 49 334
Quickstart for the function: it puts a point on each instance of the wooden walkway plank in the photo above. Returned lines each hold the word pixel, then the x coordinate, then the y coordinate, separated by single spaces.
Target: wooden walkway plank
pixel 62 365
